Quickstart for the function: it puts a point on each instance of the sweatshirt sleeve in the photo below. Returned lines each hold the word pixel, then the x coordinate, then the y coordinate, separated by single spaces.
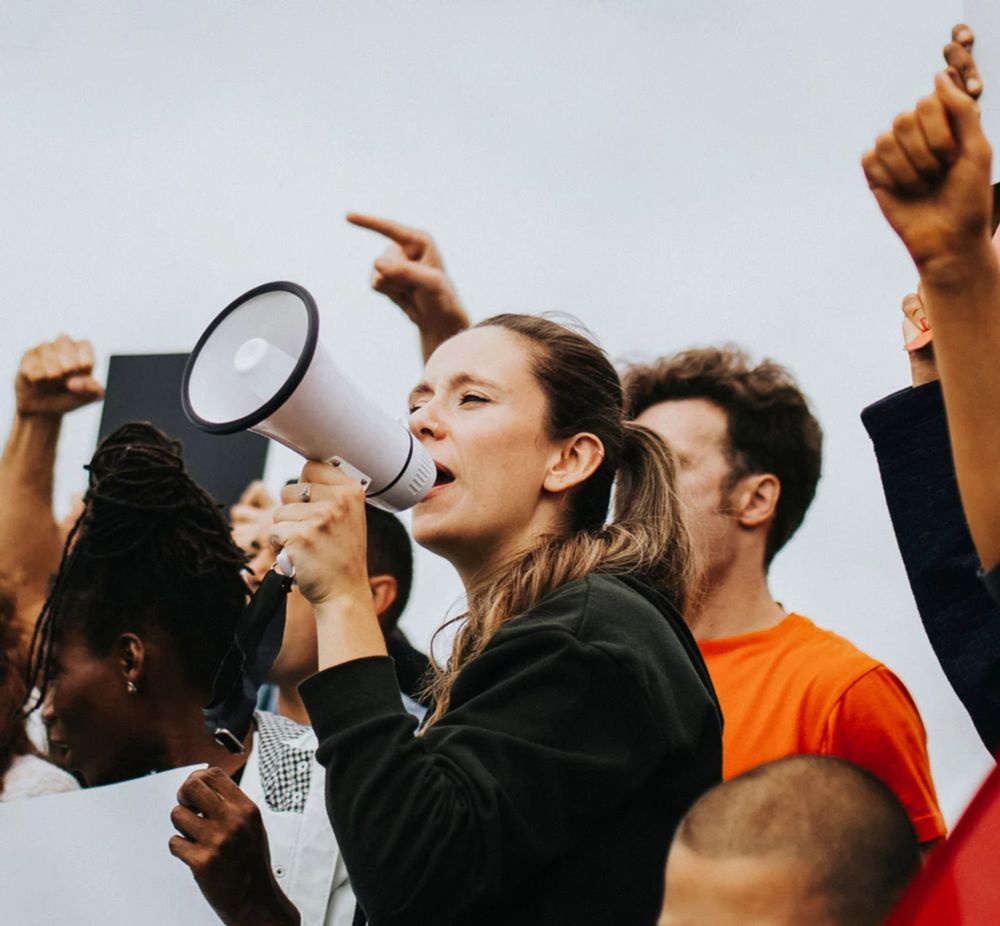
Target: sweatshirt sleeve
pixel 910 434
pixel 545 736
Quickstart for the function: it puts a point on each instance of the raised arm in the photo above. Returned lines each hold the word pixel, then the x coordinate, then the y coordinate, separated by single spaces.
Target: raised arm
pixel 931 177
pixel 53 378
pixel 411 273
pixel 910 435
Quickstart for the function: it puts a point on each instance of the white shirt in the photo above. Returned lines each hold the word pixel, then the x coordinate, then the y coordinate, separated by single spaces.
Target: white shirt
pixel 30 776
pixel 283 778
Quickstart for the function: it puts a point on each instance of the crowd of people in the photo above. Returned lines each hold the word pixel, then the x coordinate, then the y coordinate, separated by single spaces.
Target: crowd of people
pixel 629 725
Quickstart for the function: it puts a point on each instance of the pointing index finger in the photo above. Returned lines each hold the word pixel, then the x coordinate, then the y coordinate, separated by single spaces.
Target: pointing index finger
pixel 410 239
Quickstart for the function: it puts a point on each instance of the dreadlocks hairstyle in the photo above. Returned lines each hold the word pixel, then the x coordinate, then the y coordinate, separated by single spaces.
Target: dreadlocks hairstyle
pixel 151 551
pixel 646 535
pixel 13 737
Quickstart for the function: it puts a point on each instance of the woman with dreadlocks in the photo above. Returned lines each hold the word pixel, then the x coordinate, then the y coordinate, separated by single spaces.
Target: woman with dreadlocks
pixel 575 721
pixel 142 610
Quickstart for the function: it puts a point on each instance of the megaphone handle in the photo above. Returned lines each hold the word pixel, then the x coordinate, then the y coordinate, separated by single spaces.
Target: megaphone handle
pixel 352 471
pixel 284 564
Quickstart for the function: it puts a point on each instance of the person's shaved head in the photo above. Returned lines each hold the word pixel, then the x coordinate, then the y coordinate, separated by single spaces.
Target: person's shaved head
pixel 807 839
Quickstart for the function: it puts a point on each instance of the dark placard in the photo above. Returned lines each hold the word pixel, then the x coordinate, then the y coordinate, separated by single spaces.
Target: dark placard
pixel 147 387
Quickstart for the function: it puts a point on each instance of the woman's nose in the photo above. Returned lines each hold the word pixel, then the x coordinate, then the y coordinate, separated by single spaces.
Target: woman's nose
pixel 424 422
pixel 48 711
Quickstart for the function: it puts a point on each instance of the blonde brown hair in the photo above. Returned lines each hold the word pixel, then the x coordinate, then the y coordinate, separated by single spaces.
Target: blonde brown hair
pixel 646 536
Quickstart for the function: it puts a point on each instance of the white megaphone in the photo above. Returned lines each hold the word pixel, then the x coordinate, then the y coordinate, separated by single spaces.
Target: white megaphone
pixel 261 366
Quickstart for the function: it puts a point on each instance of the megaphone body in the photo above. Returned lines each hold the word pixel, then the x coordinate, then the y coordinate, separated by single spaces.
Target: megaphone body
pixel 260 366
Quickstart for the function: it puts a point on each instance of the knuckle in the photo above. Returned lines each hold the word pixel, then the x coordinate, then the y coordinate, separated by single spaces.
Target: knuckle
pixel 214 775
pixel 904 122
pixel 885 144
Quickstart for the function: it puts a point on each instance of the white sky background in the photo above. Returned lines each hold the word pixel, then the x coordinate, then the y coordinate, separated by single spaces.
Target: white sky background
pixel 671 173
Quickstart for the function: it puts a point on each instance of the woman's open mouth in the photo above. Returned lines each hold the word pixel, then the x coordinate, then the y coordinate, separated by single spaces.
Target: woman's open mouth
pixel 444 478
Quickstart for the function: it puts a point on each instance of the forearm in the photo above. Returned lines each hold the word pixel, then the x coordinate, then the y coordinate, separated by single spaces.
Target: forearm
pixel 383 786
pixel 29 534
pixel 276 910
pixel 347 628
pixel 963 302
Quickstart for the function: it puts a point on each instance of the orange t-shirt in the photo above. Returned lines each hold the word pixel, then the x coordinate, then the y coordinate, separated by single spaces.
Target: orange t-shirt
pixel 795 688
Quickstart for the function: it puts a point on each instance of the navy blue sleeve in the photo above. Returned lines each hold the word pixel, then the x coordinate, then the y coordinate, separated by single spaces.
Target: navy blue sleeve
pixel 910 434
pixel 992 581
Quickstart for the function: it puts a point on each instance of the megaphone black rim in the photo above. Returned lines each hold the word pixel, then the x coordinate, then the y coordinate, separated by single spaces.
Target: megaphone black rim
pixel 290 384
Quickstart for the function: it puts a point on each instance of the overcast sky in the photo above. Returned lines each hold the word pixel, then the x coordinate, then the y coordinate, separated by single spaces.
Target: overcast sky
pixel 670 173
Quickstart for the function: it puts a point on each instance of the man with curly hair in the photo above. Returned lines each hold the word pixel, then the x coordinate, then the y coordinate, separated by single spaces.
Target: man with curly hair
pixel 750 454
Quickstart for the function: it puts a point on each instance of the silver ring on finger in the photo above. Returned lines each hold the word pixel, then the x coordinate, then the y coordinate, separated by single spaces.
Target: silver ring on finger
pixel 305 493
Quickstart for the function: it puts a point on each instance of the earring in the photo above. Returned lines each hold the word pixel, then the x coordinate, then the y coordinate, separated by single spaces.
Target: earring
pixel 130 687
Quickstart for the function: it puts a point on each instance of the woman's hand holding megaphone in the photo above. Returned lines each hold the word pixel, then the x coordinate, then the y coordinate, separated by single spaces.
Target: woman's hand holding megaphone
pixel 323 532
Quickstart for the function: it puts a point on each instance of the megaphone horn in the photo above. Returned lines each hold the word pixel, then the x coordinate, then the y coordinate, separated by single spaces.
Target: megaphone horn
pixel 261 366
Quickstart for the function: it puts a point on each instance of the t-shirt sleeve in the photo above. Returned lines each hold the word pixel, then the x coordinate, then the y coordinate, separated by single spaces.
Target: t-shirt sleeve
pixel 545 734
pixel 876 725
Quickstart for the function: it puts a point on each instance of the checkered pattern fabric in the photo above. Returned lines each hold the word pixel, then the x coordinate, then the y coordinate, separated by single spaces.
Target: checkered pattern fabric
pixel 285 765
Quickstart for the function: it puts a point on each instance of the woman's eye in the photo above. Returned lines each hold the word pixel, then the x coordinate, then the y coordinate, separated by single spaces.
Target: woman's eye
pixel 472 397
pixel 413 409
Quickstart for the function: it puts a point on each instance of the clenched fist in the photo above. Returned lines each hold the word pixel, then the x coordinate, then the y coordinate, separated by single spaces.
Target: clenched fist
pixel 56 377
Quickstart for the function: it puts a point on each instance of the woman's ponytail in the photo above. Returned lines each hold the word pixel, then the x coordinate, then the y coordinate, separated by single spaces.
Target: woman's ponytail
pixel 648 509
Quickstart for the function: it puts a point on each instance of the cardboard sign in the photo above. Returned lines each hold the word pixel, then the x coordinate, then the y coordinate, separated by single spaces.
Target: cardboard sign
pixel 97 857
pixel 147 387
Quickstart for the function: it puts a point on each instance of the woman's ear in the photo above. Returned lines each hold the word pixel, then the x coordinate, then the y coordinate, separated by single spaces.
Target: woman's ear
pixel 577 460
pixel 131 653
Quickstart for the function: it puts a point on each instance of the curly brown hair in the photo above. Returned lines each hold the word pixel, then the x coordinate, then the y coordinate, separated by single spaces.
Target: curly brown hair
pixel 13 737
pixel 771 426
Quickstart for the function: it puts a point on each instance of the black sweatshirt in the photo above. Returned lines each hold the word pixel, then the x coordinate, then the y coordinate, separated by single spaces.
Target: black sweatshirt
pixel 549 791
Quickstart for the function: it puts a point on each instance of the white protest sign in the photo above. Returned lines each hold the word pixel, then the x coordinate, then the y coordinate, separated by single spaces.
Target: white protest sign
pixel 98 857
pixel 983 16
